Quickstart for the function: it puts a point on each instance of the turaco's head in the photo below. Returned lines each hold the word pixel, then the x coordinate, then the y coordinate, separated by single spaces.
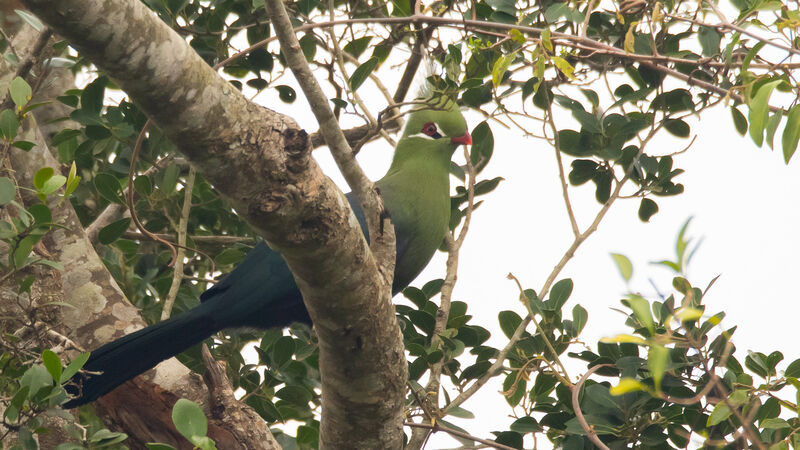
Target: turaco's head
pixel 438 119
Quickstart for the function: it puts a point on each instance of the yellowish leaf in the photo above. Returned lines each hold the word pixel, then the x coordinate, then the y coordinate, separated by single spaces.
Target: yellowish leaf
pixel 630 38
pixel 565 67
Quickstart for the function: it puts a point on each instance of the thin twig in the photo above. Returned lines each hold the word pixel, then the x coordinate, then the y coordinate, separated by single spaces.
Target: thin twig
pixel 177 273
pixel 460 434
pixel 564 187
pixel 576 406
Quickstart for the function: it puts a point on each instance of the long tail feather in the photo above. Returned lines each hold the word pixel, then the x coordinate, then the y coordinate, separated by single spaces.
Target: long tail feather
pixel 138 352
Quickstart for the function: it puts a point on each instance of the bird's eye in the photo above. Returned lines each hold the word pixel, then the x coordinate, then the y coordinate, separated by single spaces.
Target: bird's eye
pixel 430 130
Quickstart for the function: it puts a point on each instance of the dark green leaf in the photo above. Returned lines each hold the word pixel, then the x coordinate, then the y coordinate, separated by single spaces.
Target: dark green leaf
pixel 260 59
pixel 526 424
pixel 108 187
pixel 646 209
pixel 560 292
pixel 114 231
pixel 476 370
pixel 357 46
pixel 739 121
pixel 23 145
pixel 677 127
pixel 482 146
pixel 709 40
pixel 579 318
pixel 509 321
pixel 362 72
pixel 282 350
pixel 582 171
pixel 791 133
pixel 93 95
pixel 286 93
pixel 793 370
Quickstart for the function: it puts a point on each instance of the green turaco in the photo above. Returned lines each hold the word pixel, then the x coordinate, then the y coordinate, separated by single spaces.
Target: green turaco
pixel 261 292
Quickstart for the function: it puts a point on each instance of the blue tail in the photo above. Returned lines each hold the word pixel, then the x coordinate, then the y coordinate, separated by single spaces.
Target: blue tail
pixel 137 352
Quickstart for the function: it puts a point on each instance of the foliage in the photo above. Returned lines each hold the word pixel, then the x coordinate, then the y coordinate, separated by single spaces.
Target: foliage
pixel 604 79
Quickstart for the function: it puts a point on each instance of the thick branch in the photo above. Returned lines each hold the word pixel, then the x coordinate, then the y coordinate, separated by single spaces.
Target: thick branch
pixel 363 388
pixel 277 187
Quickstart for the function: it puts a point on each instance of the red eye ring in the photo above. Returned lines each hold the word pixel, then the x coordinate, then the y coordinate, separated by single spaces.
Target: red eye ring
pixel 429 129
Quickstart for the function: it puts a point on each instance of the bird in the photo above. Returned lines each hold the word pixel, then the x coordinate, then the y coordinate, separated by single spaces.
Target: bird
pixel 260 292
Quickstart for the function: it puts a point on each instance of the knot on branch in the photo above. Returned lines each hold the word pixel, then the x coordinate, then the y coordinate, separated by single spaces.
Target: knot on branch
pixel 297 147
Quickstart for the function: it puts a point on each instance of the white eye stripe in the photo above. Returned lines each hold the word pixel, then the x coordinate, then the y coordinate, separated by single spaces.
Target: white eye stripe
pixel 422 135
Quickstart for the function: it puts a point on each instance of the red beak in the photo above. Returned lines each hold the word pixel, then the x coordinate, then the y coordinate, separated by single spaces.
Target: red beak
pixel 466 139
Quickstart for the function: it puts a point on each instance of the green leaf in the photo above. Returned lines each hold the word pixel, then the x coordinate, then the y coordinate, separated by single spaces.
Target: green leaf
pixel 357 46
pixel 721 412
pixel 525 424
pixel 362 72
pixel 23 145
pixel 20 92
pixel 282 351
pixel 108 187
pixel 772 127
pixel 793 370
pixel 460 413
pixel 9 124
pixel 189 419
pixel 709 40
pixel 501 66
pixel 482 146
pixel 93 95
pixel 641 310
pixel 52 184
pixel 624 265
pixel 759 109
pixel 114 231
pixel 41 176
pixel 35 378
pixel 509 321
pixel 791 133
pixel 23 249
pixel 52 363
pixel 286 93
pixel 677 127
pixel 74 366
pixel 739 121
pixel 657 359
pixel 560 293
pixel 7 190
pixel 647 208
pixel 72 180
pixel 579 318
pixel 170 179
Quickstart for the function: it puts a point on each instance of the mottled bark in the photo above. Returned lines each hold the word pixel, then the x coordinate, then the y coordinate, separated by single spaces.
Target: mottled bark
pixel 260 161
pixel 101 313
